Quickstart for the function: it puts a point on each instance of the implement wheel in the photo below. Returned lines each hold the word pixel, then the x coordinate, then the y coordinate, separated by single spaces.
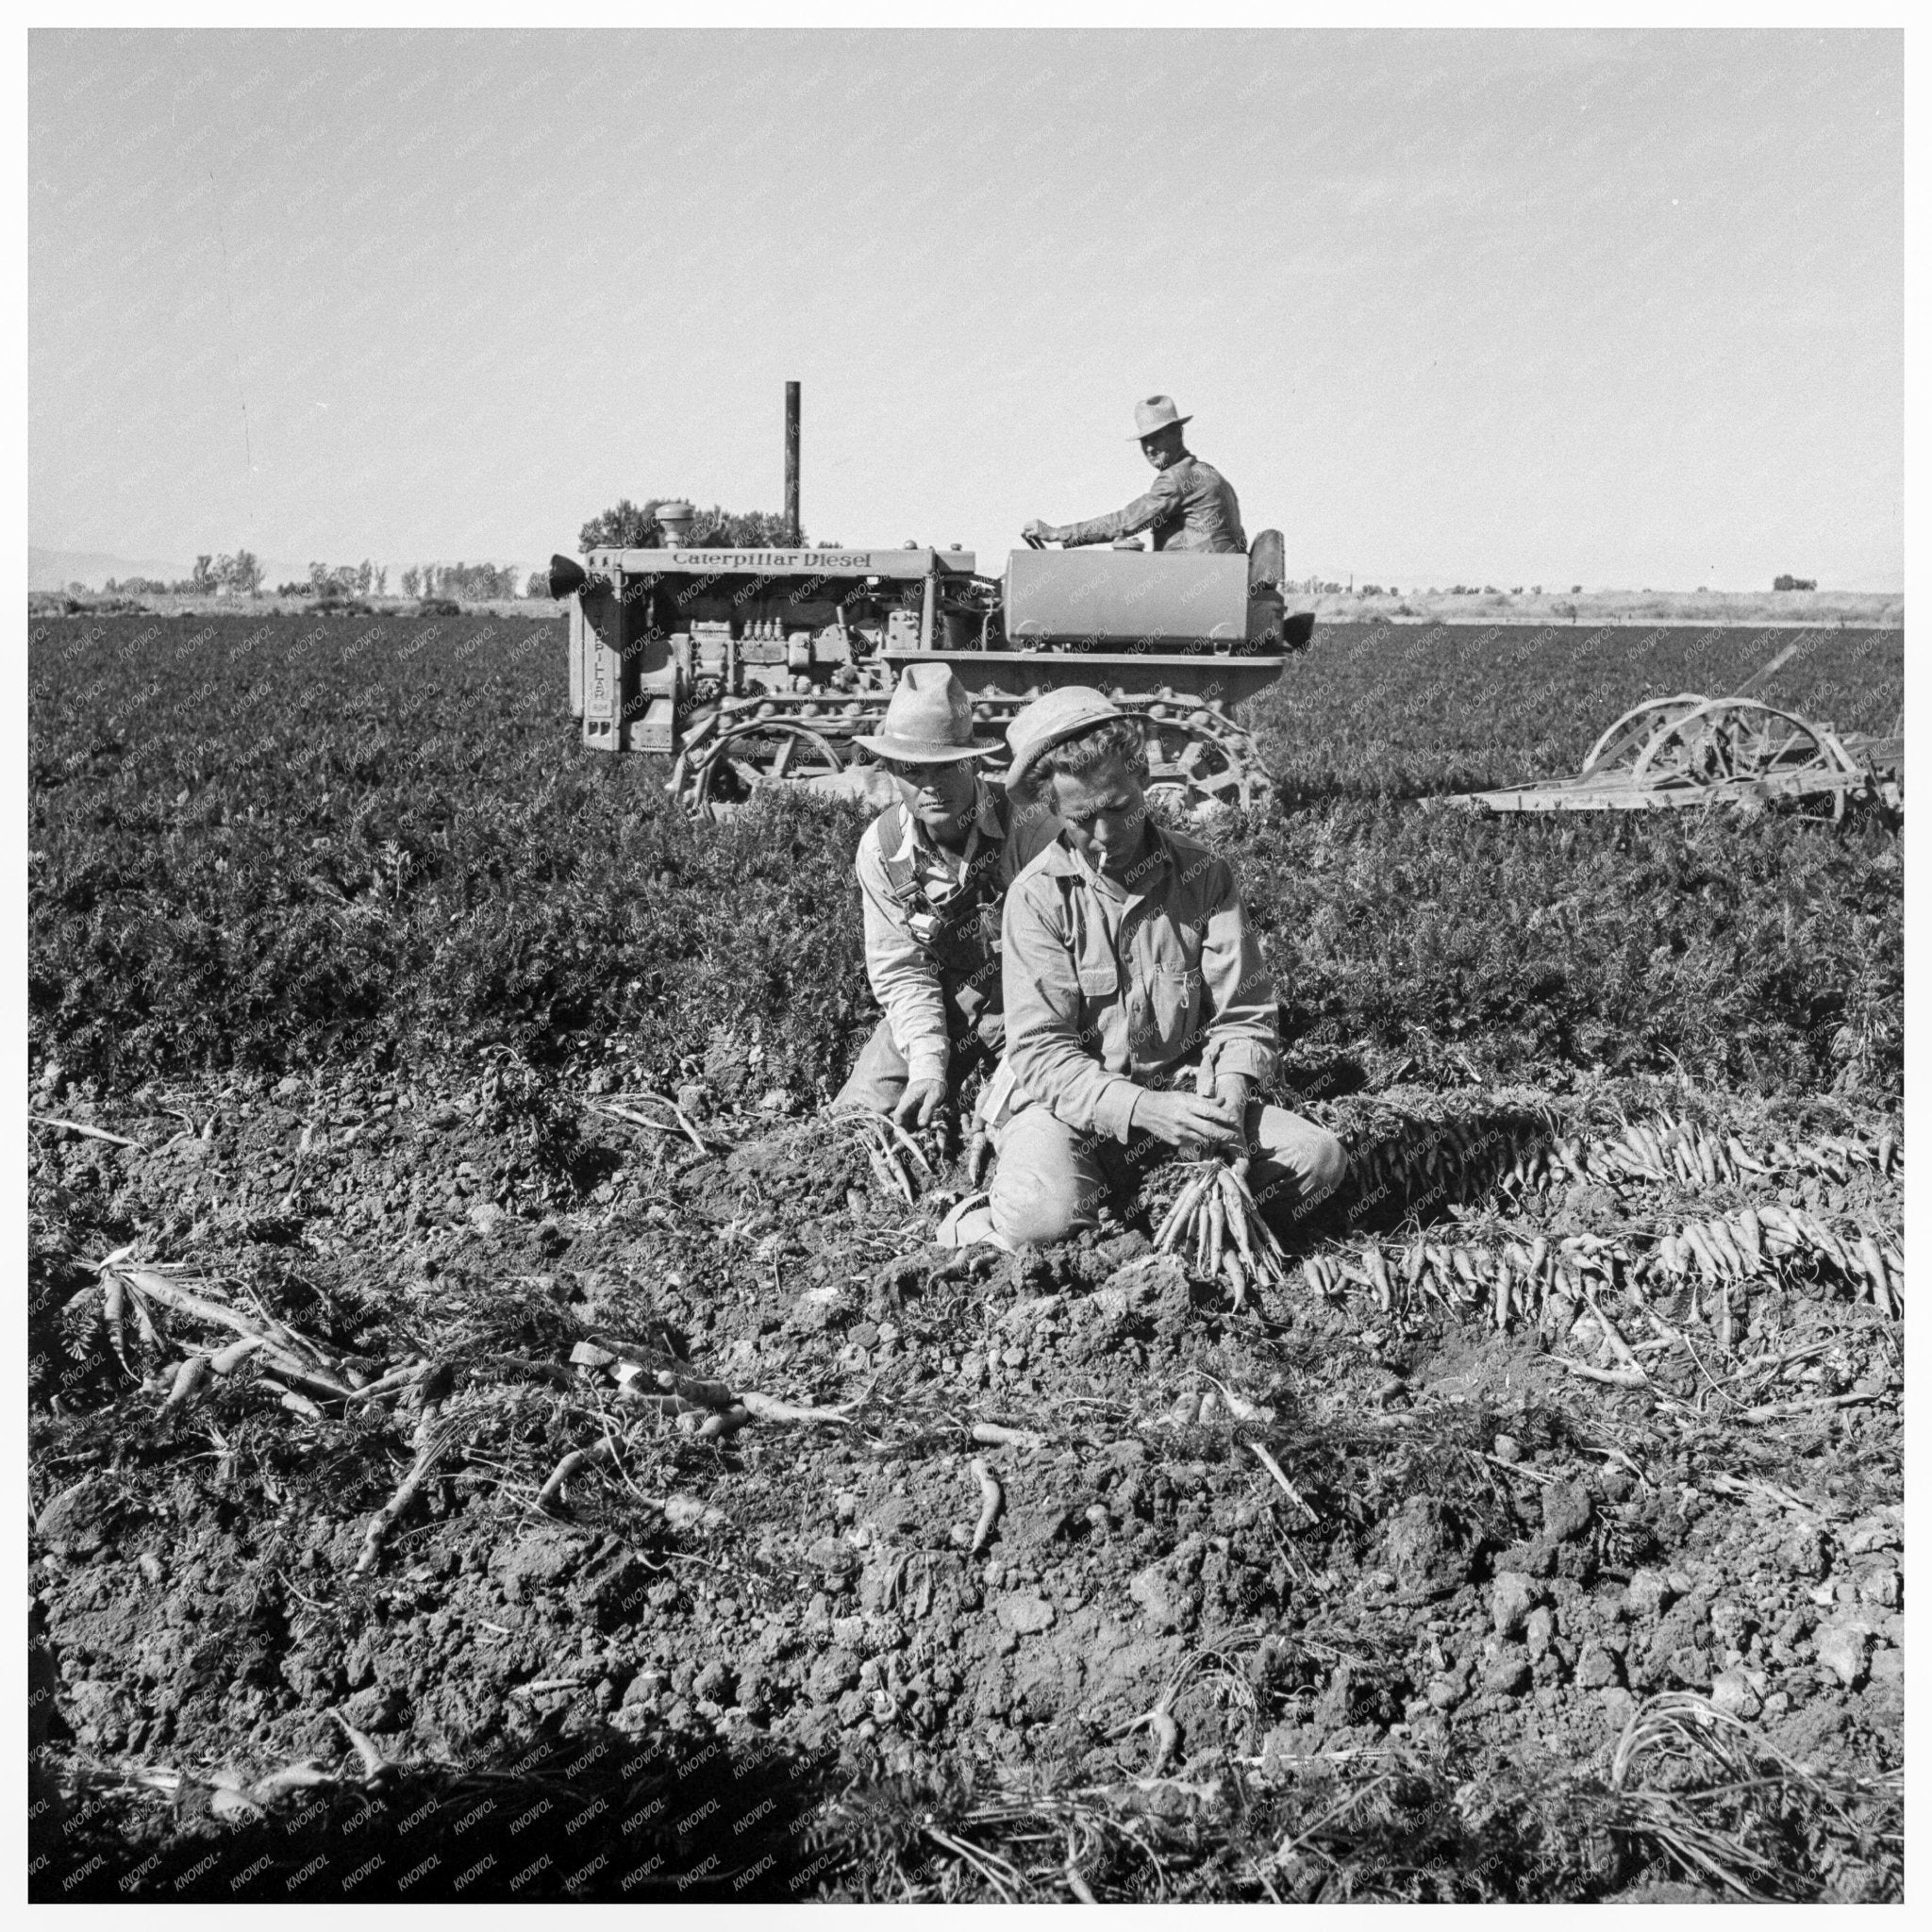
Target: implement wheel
pixel 1202 763
pixel 1623 744
pixel 732 766
pixel 1732 739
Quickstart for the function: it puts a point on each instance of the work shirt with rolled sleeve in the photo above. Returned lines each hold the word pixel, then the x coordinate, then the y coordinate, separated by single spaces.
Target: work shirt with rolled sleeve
pixel 1110 984
pixel 909 982
pixel 1189 506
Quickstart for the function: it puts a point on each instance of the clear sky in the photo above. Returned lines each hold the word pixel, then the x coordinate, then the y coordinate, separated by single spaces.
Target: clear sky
pixel 1620 309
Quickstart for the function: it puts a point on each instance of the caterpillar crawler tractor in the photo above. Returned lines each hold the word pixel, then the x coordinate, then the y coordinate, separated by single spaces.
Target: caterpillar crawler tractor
pixel 751 668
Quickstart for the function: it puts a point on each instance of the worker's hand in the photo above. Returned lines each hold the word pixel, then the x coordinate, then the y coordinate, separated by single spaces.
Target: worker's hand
pixel 1186 1120
pixel 1234 1092
pixel 1037 533
pixel 919 1102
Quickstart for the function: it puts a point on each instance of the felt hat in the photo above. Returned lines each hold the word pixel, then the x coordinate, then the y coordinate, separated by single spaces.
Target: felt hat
pixel 1156 413
pixel 929 721
pixel 1052 719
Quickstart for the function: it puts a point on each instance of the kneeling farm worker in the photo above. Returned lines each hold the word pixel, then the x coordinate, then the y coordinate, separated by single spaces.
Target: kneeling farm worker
pixel 933 868
pixel 1127 959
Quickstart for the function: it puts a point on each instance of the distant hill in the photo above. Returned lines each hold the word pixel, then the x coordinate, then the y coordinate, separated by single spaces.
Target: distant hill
pixel 54 570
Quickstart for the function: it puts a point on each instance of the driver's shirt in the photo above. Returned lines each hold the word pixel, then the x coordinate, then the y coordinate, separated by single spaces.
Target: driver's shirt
pixel 1189 506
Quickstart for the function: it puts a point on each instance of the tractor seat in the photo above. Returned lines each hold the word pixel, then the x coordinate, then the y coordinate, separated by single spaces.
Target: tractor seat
pixel 1267 561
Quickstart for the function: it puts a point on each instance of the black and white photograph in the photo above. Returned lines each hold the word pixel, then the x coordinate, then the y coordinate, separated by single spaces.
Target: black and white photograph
pixel 964 963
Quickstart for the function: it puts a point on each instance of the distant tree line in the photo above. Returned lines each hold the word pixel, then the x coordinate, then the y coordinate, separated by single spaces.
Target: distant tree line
pixel 475 582
pixel 1483 590
pixel 240 576
pixel 1787 583
pixel 335 580
pixel 635 526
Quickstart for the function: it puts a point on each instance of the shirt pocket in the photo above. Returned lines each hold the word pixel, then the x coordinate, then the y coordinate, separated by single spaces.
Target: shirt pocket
pixel 1175 946
pixel 1100 984
pixel 1175 998
pixel 1173 1002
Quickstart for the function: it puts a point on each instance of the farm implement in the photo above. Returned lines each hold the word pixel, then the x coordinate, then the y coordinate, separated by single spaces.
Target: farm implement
pixel 1687 751
pixel 755 668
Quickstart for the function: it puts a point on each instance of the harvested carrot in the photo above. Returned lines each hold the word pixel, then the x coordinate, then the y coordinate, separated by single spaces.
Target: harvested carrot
pixel 769 1409
pixel 997 1436
pixel 1182 1211
pixel 1237 1275
pixel 1216 1223
pixel 1876 1273
pixel 577 1459
pixel 113 1304
pixel 224 1361
pixel 428 1453
pixel 990 1498
pixel 189 1379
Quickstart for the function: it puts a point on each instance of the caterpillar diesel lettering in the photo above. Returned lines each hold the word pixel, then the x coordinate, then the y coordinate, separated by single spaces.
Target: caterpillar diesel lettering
pixel 750 668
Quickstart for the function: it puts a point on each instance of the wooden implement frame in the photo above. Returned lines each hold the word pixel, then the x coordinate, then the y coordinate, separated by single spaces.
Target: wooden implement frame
pixel 1691 751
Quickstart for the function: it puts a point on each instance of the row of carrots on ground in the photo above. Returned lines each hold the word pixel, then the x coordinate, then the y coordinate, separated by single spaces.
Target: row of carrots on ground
pixel 1661 1149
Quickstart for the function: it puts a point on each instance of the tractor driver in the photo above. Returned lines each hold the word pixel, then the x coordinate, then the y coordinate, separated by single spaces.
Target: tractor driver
pixel 1191 506
pixel 933 868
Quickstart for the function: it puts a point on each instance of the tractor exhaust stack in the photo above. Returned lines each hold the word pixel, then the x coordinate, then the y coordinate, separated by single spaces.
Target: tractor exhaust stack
pixel 793 536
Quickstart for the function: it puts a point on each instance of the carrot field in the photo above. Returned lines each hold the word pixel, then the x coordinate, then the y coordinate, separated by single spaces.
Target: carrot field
pixel 253 842
pixel 1541 1539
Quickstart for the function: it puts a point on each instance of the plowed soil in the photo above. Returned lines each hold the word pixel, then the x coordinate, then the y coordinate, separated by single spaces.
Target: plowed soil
pixel 770 1664
pixel 455 1476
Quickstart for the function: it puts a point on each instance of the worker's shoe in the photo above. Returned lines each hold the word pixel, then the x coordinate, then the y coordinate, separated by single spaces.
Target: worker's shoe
pixel 970 1222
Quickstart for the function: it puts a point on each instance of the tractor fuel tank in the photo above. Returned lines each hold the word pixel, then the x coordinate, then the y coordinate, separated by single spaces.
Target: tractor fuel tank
pixel 1124 597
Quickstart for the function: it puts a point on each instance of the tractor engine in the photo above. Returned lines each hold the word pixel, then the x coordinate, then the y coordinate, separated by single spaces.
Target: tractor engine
pixel 662 638
pixel 756 666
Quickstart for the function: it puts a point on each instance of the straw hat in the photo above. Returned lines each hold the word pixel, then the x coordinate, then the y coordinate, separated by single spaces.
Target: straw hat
pixel 1155 414
pixel 929 721
pixel 1052 719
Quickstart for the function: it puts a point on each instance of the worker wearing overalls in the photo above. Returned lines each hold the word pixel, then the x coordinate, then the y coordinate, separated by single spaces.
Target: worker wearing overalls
pixel 933 868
